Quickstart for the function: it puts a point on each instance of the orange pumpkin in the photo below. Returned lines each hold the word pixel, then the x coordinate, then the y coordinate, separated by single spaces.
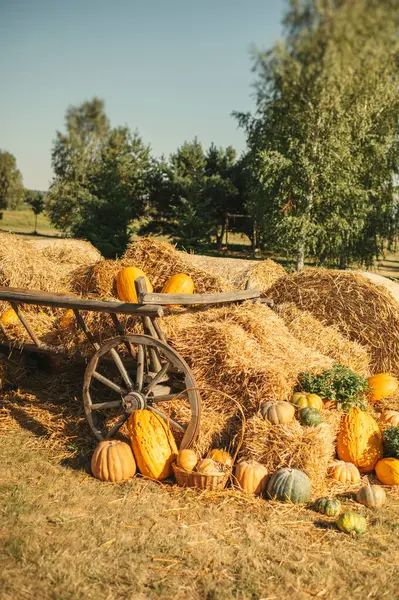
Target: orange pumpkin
pixel 113 461
pixel 387 471
pixel 382 386
pixel 187 459
pixel 179 284
pixel 9 317
pixel 221 456
pixel 209 467
pixel 251 477
pixel 345 472
pixel 391 417
pixel 125 287
pixel 67 319
pixel 359 440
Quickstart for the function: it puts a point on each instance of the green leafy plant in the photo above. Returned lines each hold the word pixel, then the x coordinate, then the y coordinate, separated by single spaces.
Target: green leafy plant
pixel 338 383
pixel 391 441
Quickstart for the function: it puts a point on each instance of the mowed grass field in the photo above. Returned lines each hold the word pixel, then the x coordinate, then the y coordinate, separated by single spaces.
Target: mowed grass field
pixel 23 221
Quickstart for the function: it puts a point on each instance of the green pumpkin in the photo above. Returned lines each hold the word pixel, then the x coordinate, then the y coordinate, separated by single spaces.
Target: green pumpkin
pixel 290 485
pixel 331 507
pixel 310 417
pixel 351 522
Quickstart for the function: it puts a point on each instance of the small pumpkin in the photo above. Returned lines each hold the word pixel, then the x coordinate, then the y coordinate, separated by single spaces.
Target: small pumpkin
pixel 180 283
pixel 153 444
pixel 359 440
pixel 277 412
pixel 387 471
pixel 187 459
pixel 373 496
pixel 303 400
pixel 309 416
pixel 345 472
pixel 9 317
pixel 221 456
pixel 125 287
pixel 331 507
pixel 391 417
pixel 290 485
pixel 352 522
pixel 209 467
pixel 67 319
pixel 251 477
pixel 382 386
pixel 113 460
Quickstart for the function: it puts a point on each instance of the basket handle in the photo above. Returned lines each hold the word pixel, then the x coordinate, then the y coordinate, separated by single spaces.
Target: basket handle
pixel 243 419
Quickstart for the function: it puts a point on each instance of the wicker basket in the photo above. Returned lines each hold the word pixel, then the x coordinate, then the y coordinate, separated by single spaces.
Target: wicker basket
pixel 208 481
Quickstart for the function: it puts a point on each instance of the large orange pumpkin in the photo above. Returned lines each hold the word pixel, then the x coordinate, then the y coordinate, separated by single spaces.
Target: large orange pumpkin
pixel 359 440
pixel 153 444
pixel 125 287
pixel 179 284
pixel 251 477
pixel 382 386
pixel 9 317
pixel 113 461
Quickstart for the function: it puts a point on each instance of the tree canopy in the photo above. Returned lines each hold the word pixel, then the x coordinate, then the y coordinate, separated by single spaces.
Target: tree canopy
pixel 11 187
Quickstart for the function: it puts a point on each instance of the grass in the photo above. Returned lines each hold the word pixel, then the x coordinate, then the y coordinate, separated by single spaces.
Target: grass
pixel 23 221
pixel 65 535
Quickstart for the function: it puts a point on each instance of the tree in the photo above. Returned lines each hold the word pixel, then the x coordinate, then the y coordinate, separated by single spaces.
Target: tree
pixel 35 200
pixel 11 188
pixel 323 142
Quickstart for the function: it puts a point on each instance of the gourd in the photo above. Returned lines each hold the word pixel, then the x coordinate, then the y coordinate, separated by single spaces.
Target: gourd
pixel 309 417
pixel 125 287
pixel 221 456
pixel 351 522
pixel 302 400
pixel 187 459
pixel 67 318
pixel 113 460
pixel 153 444
pixel 359 440
pixel 382 386
pixel 372 496
pixel 278 412
pixel 9 317
pixel 331 507
pixel 179 284
pixel 290 485
pixel 387 471
pixel 209 467
pixel 251 477
pixel 345 472
pixel 391 417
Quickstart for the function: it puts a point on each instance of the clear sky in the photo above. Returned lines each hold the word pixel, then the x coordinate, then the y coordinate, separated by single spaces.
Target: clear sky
pixel 173 69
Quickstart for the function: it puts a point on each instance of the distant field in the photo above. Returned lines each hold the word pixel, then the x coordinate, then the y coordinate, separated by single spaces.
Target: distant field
pixel 23 221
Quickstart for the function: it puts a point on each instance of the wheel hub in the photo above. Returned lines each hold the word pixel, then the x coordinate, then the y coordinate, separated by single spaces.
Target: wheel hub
pixel 133 401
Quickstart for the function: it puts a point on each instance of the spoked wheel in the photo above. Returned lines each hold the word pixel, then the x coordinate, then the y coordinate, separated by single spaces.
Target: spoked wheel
pixel 135 372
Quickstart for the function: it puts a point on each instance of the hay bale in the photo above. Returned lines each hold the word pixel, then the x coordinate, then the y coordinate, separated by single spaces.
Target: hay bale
pixel 362 311
pixel 309 449
pixel 262 274
pixel 98 279
pixel 160 260
pixel 324 338
pixel 69 253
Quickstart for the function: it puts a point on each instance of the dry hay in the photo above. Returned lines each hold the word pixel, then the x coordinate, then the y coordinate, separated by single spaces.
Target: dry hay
pixel 324 338
pixel 160 260
pixel 363 312
pixel 98 279
pixel 244 350
pixel 262 274
pixel 70 251
pixel 309 449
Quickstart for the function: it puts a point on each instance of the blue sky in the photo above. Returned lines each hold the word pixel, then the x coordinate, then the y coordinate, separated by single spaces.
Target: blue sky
pixel 172 69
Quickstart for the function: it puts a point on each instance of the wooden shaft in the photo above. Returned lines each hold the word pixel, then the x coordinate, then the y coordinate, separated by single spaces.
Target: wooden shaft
pixel 189 299
pixel 83 327
pixel 25 323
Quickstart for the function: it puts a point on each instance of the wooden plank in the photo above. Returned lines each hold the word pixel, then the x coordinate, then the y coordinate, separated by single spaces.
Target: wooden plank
pixel 190 299
pixel 25 323
pixel 62 301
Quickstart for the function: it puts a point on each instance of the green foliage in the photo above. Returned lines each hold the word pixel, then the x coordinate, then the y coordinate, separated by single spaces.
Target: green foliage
pixel 323 143
pixel 340 384
pixel 11 188
pixel 35 200
pixel 391 441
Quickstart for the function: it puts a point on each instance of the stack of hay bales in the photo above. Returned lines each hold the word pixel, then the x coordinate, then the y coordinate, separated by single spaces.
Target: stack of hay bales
pixel 362 311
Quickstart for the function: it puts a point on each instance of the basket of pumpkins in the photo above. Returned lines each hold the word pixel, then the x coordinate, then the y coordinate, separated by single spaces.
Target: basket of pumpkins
pixel 211 472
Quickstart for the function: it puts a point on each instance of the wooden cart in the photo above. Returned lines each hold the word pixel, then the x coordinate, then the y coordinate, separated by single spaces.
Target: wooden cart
pixel 127 372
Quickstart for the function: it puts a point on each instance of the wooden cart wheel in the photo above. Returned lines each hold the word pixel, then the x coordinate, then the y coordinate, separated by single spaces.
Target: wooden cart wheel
pixel 154 374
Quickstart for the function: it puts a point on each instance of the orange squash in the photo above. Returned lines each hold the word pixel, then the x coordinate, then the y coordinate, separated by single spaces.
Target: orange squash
pixel 153 444
pixel 387 471
pixel 209 467
pixel 359 440
pixel 125 287
pixel 113 461
pixel 345 472
pixel 251 477
pixel 67 319
pixel 382 386
pixel 179 284
pixel 221 456
pixel 391 417
pixel 187 459
pixel 9 317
